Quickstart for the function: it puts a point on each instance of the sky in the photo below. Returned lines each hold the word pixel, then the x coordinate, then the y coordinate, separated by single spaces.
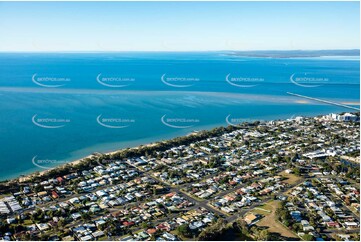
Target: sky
pixel 178 26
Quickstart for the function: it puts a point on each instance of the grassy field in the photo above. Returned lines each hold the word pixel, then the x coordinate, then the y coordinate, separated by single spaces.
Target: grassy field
pixel 269 220
pixel 264 209
pixel 27 222
pixel 291 178
pixel 5 195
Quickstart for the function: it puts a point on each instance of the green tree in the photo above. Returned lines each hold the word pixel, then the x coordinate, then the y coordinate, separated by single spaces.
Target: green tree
pixel 184 230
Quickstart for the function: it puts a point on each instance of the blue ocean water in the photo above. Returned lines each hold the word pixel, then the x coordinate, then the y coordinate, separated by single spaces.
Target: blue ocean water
pixel 63 106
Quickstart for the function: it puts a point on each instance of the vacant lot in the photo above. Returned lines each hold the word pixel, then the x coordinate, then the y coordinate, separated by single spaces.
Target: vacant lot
pixel 269 220
pixel 291 178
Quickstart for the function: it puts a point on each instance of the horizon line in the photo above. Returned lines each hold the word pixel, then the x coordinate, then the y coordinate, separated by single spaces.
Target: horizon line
pixel 105 51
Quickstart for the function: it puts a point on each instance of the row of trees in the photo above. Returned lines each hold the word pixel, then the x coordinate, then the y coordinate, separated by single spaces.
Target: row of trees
pixel 13 185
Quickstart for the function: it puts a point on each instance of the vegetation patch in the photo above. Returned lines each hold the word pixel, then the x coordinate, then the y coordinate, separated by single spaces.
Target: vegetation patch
pixel 270 220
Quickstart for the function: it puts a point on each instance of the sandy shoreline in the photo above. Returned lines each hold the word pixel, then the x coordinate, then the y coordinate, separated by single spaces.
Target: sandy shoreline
pixel 24 178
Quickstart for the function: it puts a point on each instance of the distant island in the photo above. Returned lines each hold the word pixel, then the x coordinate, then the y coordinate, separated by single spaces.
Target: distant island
pixel 295 53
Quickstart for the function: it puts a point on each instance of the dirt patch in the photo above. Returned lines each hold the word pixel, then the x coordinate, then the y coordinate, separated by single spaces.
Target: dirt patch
pixel 291 178
pixel 269 220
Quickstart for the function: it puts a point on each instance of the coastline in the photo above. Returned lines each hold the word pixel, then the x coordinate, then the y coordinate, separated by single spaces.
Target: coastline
pixel 24 178
pixel 31 174
pixel 141 143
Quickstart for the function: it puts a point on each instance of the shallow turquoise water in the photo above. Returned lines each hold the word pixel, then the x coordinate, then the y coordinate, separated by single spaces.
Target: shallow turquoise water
pixel 132 97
